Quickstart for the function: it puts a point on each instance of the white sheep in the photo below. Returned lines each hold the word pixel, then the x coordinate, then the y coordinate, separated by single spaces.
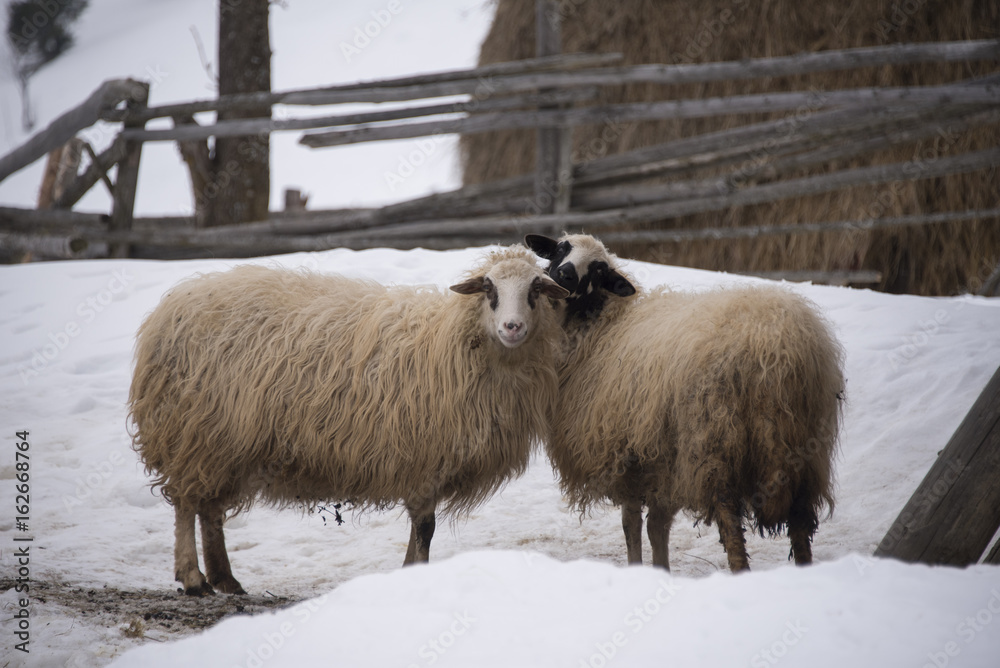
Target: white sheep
pixel 725 404
pixel 296 388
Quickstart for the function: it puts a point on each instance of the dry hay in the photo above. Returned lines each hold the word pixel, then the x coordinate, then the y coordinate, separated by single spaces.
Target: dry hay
pixel 935 259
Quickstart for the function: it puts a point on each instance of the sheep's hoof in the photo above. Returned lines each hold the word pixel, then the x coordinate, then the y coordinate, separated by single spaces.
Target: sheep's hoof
pixel 204 589
pixel 229 585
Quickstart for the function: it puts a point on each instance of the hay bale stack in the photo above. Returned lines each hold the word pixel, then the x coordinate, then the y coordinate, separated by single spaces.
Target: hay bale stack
pixel 936 259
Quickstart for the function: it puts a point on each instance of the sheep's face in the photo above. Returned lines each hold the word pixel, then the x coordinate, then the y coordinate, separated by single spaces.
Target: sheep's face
pixel 581 264
pixel 511 291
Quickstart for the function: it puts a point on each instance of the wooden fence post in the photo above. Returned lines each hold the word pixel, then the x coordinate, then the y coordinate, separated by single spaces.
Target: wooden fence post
pixel 128 173
pixel 553 168
pixel 60 172
pixel 955 511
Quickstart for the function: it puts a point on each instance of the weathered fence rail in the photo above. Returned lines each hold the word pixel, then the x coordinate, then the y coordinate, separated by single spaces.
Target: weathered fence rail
pixel 612 194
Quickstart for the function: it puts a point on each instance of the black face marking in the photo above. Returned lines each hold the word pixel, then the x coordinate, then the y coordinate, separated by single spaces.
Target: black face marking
pixel 588 298
pixel 566 276
pixel 589 292
pixel 491 293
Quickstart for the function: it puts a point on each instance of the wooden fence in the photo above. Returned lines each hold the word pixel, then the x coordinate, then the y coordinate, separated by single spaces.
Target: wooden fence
pixel 610 195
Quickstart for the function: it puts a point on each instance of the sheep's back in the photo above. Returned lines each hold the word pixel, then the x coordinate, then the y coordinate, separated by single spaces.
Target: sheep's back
pixel 694 384
pixel 303 387
pixel 761 405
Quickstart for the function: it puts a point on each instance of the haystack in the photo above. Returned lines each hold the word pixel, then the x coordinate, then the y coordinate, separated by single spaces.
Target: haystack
pixel 943 258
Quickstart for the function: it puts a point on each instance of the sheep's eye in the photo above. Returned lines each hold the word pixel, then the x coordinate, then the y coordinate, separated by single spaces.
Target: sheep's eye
pixel 488 287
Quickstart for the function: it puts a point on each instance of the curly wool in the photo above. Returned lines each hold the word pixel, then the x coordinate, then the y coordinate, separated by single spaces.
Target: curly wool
pixel 680 395
pixel 290 387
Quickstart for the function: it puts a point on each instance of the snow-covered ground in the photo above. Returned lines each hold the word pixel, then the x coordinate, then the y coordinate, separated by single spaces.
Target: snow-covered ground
pixel 914 366
pixel 522 580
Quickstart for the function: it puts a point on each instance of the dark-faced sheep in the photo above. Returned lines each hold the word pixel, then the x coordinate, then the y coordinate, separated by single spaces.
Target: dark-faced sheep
pixel 294 388
pixel 725 404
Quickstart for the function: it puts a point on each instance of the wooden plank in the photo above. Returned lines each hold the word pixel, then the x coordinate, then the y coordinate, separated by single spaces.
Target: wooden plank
pixel 718 233
pixel 811 185
pixel 64 128
pixel 950 94
pixel 249 239
pixel 465 82
pixel 43 246
pixel 127 178
pixel 468 81
pixel 955 511
pixel 60 172
pixel 96 171
pixel 234 128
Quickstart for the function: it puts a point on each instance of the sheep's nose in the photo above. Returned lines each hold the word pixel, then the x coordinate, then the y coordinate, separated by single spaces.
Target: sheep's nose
pixel 566 276
pixel 513 327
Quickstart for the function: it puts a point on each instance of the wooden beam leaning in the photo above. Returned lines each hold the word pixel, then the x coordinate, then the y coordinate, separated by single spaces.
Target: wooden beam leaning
pixel 517 76
pixel 97 170
pixel 955 511
pixel 61 130
pixel 456 82
pixel 189 130
pixel 673 109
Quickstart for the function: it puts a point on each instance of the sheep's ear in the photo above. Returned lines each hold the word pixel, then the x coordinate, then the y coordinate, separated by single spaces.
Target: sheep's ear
pixel 617 284
pixel 550 288
pixel 468 287
pixel 543 246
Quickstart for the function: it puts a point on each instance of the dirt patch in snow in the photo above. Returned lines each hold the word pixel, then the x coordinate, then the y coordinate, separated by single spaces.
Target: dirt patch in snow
pixel 156 614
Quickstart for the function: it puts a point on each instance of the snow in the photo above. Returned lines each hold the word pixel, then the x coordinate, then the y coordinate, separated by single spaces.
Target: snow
pixel 522 580
pixel 543 586
pixel 484 609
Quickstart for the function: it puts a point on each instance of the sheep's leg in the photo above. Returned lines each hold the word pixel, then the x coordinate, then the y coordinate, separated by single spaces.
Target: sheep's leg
pixel 802 524
pixel 421 531
pixel 186 553
pixel 211 516
pixel 632 525
pixel 658 527
pixel 731 532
